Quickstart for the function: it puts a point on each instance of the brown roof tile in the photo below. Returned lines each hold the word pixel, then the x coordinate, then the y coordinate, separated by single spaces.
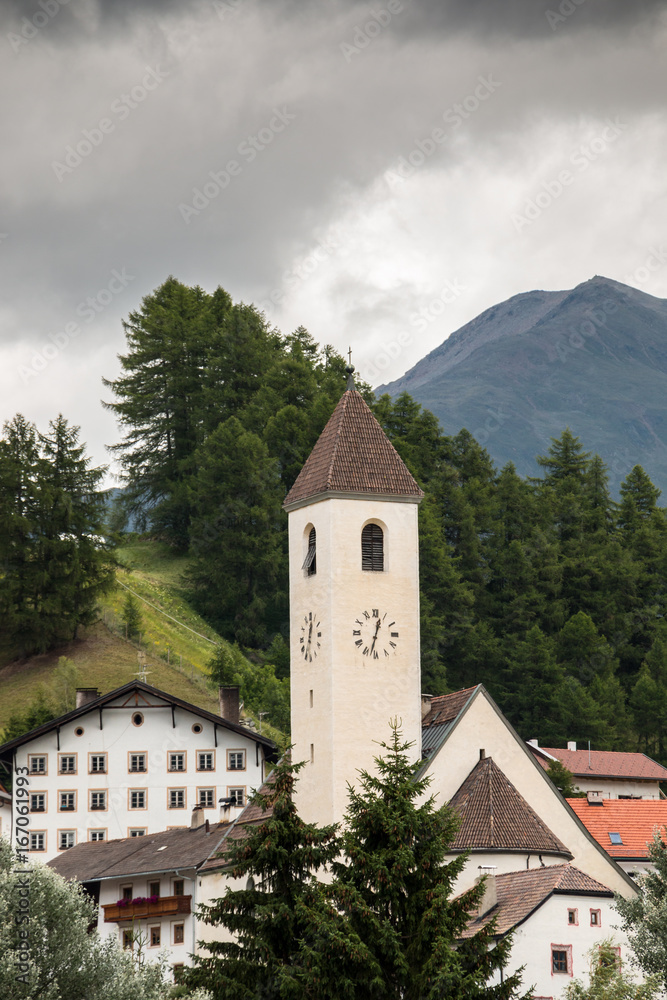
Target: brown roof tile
pixel 635 821
pixel 519 893
pixel 445 707
pixel 496 817
pixel 606 764
pixel 353 455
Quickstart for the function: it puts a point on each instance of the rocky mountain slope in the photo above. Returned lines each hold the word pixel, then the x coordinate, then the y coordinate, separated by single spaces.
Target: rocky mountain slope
pixel 593 358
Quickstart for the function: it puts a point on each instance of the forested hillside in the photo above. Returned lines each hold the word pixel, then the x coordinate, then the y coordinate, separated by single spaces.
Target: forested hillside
pixel 547 589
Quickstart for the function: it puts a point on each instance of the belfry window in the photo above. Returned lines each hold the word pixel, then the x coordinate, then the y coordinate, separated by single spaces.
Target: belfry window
pixel 372 548
pixel 310 562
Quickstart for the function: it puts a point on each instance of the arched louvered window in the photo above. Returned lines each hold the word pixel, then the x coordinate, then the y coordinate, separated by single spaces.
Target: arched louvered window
pixel 372 548
pixel 310 562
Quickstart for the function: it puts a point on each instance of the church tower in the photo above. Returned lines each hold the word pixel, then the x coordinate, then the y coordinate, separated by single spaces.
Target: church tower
pixel 354 606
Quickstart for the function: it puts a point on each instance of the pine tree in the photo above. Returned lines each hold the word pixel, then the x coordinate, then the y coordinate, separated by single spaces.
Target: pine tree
pixel 131 616
pixel 644 916
pixel 394 886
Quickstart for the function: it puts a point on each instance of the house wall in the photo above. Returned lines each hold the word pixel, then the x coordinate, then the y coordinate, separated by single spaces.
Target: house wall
pixel 354 696
pixel 111 890
pixel 483 728
pixel 5 817
pixel 549 926
pixel 504 861
pixel 615 787
pixel 118 737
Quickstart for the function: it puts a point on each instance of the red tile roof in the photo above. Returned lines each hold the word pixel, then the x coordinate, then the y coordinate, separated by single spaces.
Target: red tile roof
pixel 353 455
pixel 496 817
pixel 634 819
pixel 445 707
pixel 522 892
pixel 606 764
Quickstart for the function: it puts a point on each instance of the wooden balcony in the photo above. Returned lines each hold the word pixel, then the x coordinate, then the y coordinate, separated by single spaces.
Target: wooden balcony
pixel 166 906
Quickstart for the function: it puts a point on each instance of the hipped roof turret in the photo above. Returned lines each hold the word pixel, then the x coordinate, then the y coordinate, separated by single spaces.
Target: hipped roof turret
pixel 353 455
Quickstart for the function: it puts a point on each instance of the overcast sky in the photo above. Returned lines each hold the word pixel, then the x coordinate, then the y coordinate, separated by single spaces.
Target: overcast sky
pixel 378 172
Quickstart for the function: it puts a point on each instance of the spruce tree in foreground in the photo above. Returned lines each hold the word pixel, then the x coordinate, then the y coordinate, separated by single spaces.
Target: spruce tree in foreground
pixel 395 885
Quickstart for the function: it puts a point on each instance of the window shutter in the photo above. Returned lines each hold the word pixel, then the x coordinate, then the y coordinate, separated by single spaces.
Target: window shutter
pixel 309 563
pixel 372 548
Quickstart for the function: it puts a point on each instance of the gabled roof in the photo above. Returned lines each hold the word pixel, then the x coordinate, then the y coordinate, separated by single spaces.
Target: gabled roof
pixel 496 817
pixel 444 711
pixel 252 815
pixel 635 820
pixel 521 893
pixel 138 688
pixel 157 852
pixel 353 455
pixel 605 764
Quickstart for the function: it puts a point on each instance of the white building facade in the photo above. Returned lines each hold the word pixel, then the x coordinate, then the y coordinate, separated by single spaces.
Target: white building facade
pixel 127 764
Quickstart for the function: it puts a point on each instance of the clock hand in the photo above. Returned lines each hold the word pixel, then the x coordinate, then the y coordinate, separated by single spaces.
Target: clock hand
pixel 377 629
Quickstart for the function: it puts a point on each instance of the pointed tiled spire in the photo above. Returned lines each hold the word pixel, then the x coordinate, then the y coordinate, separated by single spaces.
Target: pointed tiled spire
pixel 353 455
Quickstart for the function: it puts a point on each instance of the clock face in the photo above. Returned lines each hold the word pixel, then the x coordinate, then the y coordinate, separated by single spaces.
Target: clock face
pixel 375 634
pixel 310 637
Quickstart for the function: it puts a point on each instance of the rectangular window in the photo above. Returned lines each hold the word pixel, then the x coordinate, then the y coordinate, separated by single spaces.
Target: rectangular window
pixel 572 917
pixel 137 798
pixel 128 940
pixel 98 800
pixel 179 933
pixel 613 959
pixel 126 892
pixel 561 959
pixel 596 918
pixel 37 763
pixel 207 797
pixel 615 838
pixel 177 970
pixel 179 886
pixel 66 839
pixel 137 831
pixel 38 840
pixel 236 760
pixel 97 763
pixel 237 795
pixel 206 761
pixel 66 801
pixel 155 937
pixel 177 762
pixel 66 764
pixel 38 802
pixel 98 835
pixel 176 798
pixel 153 888
pixel 137 762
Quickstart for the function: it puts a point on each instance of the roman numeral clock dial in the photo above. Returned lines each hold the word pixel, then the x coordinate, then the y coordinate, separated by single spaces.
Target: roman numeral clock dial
pixel 310 637
pixel 375 634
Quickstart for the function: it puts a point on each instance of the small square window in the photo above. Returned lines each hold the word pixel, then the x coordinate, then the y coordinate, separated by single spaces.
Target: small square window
pixel 176 761
pixel 137 762
pixel 596 918
pixel 98 800
pixel 179 933
pixel 561 959
pixel 38 802
pixel 98 835
pixel 37 840
pixel 67 801
pixel 37 764
pixel 572 917
pixel 207 797
pixel 206 761
pixel 155 937
pixel 236 760
pixel 237 795
pixel 67 764
pixel 137 798
pixel 66 839
pixel 98 763
pixel 176 798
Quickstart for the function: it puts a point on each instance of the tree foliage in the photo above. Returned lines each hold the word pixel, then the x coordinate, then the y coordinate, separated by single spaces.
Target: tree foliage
pixel 608 981
pixel 644 916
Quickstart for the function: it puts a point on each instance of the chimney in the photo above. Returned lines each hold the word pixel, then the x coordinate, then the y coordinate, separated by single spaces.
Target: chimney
pixel 534 743
pixel 85 695
pixel 229 702
pixel 482 754
pixel 198 819
pixel 225 810
pixel 594 798
pixel 490 897
pixel 571 745
pixel 426 704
